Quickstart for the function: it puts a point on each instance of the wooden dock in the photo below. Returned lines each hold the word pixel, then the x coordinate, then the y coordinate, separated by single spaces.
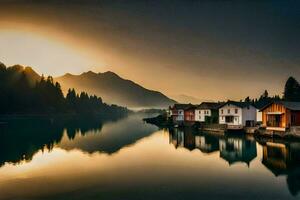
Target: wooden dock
pixel 216 128
pixel 292 133
pixel 250 130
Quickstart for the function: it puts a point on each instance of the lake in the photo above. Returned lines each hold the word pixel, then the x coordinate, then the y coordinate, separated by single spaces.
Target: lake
pixel 128 159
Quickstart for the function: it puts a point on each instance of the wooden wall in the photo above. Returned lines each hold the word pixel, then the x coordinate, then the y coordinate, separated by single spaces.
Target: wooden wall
pixel 285 120
pixel 189 115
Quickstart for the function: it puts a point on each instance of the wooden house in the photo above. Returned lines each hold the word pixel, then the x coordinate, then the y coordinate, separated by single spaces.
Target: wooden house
pixel 189 113
pixel 176 112
pixel 237 115
pixel 281 115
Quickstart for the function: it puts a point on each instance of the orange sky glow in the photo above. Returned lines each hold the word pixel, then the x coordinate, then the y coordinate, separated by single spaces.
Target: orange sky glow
pixel 199 64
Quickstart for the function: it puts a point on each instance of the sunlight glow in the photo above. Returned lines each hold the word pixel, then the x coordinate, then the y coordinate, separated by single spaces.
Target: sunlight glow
pixel 47 56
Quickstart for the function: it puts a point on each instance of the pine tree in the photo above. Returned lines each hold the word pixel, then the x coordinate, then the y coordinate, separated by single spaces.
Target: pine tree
pixel 292 90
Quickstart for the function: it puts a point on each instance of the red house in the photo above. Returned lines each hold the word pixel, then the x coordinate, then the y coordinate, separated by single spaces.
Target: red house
pixel 189 114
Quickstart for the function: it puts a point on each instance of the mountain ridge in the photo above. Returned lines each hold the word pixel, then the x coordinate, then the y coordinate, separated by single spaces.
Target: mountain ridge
pixel 108 85
pixel 115 89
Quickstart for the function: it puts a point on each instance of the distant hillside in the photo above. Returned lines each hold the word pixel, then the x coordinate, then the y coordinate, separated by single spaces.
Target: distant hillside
pixel 114 89
pixel 23 91
pixel 182 98
pixel 17 70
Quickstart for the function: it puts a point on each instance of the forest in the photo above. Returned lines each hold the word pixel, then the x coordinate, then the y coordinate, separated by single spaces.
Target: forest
pixel 20 93
pixel 291 92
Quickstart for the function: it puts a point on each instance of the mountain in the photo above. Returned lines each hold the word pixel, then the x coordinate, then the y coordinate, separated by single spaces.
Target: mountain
pixel 114 89
pixel 182 98
pixel 17 71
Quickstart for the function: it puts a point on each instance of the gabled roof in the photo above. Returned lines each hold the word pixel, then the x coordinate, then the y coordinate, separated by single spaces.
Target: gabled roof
pixel 260 104
pixel 237 103
pixel 209 105
pixel 179 106
pixel 288 104
pixel 192 107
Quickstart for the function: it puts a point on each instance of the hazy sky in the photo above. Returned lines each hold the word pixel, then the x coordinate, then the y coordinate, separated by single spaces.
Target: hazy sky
pixel 213 49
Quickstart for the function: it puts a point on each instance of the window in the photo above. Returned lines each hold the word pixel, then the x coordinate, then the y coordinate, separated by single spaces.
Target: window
pixel 293 119
pixel 229 119
pixel 199 111
pixel 236 111
pixel 222 111
pixel 228 111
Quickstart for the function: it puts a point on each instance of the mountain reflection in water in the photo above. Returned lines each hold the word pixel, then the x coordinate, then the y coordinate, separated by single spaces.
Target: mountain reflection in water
pixel 21 139
pixel 128 159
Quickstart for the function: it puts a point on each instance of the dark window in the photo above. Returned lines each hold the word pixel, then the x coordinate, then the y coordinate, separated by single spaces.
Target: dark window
pixel 274 120
pixel 293 119
pixel 229 119
pixel 236 111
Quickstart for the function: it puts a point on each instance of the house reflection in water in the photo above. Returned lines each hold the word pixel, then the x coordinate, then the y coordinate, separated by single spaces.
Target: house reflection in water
pixel 187 139
pixel 207 143
pixel 176 137
pixel 284 159
pixel 182 138
pixel 237 150
pixel 240 149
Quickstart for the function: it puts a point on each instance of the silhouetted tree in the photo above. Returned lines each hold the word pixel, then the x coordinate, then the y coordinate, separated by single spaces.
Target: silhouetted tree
pixel 292 90
pixel 265 95
pixel 247 99
pixel 17 95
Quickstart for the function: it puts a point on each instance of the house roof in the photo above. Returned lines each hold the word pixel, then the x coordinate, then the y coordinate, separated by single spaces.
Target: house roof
pixel 291 105
pixel 178 106
pixel 260 104
pixel 237 103
pixel 288 104
pixel 209 105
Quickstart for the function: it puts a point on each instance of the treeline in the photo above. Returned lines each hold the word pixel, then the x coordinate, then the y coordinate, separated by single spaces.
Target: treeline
pixel 19 94
pixel 291 93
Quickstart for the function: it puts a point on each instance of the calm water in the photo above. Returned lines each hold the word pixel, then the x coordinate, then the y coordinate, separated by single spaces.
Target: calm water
pixel 127 159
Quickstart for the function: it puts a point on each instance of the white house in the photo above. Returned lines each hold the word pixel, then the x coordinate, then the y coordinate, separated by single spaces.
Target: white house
pixel 206 110
pixel 258 115
pixel 201 114
pixel 237 115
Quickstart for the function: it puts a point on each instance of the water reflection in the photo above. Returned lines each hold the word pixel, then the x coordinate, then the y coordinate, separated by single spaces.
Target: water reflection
pixel 111 138
pixel 127 159
pixel 207 143
pixel 21 139
pixel 237 149
pixel 232 148
pixel 283 158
